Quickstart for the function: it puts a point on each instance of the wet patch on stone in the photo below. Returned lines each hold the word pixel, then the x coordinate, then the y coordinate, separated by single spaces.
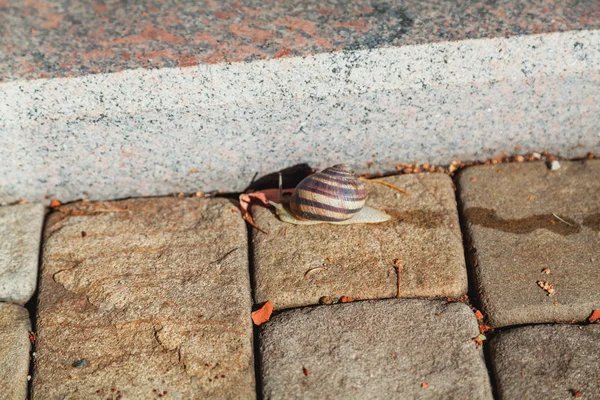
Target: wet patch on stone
pixel 488 218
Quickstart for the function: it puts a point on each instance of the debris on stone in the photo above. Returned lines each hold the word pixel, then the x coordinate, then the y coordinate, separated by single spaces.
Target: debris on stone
pixel 311 270
pixel 80 363
pixel 424 385
pixel 595 317
pixel 483 328
pixel 263 314
pixel 479 339
pixel 554 165
pixel 478 314
pixel 576 393
pixel 546 271
pixel 55 204
pixel 305 371
pixel 32 337
pixel 346 299
pixel 326 300
pixel 547 286
pixel 561 220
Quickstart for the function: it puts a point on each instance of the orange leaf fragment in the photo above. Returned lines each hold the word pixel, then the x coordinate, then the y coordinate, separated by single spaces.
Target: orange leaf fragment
pixel 576 393
pixel 478 314
pixel 424 385
pixel 305 371
pixel 32 337
pixel 483 328
pixel 346 299
pixel 55 203
pixel 263 314
pixel 594 317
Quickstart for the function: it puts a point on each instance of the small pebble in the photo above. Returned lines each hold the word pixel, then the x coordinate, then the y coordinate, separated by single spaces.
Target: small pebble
pixel 80 363
pixel 554 165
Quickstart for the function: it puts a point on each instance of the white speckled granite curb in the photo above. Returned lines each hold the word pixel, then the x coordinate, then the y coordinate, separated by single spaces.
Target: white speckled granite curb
pixel 140 132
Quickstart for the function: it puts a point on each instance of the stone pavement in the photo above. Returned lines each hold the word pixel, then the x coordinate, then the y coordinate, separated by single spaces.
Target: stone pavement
pixel 151 298
pixel 418 254
pixel 145 297
pixel 21 232
pixel 528 225
pixel 376 349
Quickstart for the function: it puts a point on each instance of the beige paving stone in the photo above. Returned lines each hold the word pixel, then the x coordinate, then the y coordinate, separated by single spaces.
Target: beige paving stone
pixel 529 226
pixel 388 349
pixel 547 362
pixel 20 237
pixel 297 265
pixel 14 351
pixel 145 297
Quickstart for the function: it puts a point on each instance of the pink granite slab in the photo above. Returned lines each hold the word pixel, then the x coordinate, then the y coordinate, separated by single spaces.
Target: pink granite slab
pixel 65 38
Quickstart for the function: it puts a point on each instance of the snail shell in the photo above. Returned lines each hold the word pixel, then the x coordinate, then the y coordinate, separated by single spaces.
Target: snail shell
pixel 334 195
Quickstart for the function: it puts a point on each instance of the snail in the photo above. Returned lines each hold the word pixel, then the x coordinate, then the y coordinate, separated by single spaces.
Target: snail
pixel 335 195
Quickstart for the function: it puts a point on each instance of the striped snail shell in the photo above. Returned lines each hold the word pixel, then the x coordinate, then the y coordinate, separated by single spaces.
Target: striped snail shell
pixel 334 195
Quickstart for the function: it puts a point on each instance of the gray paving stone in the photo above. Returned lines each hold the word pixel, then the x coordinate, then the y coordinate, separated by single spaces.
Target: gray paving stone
pixel 360 260
pixel 14 351
pixel 391 349
pixel 547 362
pixel 146 296
pixel 524 220
pixel 20 236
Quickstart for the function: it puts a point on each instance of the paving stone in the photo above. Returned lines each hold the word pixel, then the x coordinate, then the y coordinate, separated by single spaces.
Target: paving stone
pixel 400 349
pixel 20 236
pixel 547 362
pixel 146 296
pixel 527 220
pixel 14 351
pixel 360 260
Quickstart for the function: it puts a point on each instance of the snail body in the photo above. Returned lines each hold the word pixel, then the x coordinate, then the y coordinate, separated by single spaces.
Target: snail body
pixel 334 195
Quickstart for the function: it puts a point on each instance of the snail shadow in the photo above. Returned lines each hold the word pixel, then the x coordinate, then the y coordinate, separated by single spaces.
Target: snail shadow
pixel 291 176
pixel 488 218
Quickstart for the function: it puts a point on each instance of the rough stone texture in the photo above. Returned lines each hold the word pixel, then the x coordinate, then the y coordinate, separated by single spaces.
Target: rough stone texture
pixel 14 351
pixel 547 362
pixel 514 228
pixel 20 236
pixel 141 132
pixel 58 38
pixel 154 297
pixel 374 350
pixel 359 260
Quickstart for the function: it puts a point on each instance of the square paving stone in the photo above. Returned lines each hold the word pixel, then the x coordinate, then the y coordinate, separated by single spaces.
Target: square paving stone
pixel 20 237
pixel 387 349
pixel 547 362
pixel 14 351
pixel 296 265
pixel 145 297
pixel 529 226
